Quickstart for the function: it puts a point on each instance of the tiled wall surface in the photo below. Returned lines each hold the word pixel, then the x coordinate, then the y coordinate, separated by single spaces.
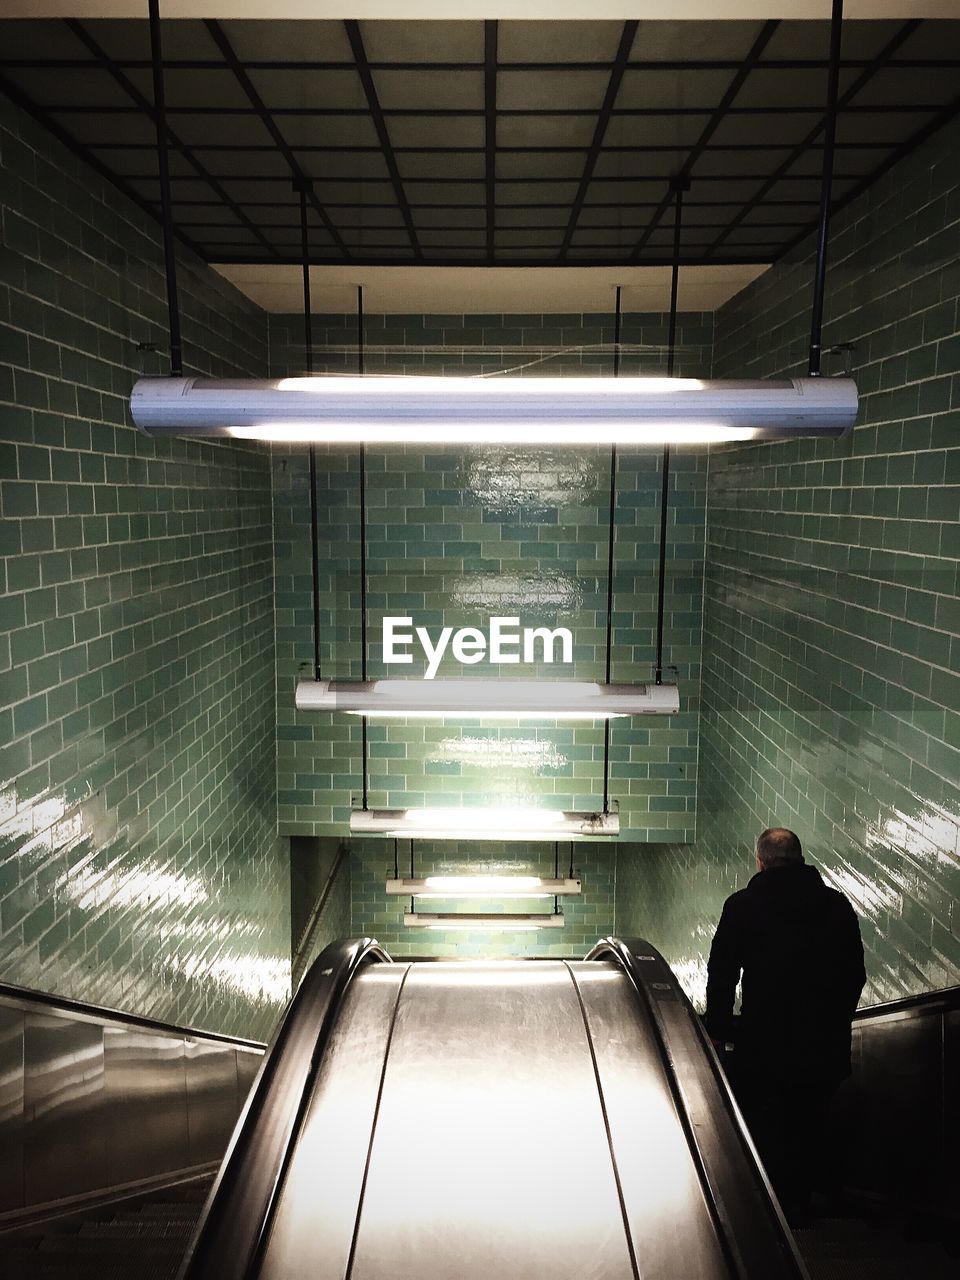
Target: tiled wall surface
pixel 139 865
pixel 831 685
pixel 456 535
pixel 587 917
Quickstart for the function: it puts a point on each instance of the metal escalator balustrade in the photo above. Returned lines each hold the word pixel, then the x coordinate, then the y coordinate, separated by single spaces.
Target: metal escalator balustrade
pixel 746 1216
pixel 97 1103
pixel 451 1121
pixel 237 1214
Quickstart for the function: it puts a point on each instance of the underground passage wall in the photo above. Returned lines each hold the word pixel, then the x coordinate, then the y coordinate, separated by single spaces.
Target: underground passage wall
pixel 456 535
pixel 139 862
pixel 831 654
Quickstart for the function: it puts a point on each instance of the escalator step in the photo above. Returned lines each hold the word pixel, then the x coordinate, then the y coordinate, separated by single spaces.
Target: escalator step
pixel 30 1265
pixel 138 1229
pixel 893 1260
pixel 108 1247
pixel 169 1209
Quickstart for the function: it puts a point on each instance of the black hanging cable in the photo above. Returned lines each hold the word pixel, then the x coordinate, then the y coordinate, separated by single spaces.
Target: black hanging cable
pixel 680 185
pixel 363 565
pixel 826 186
pixel 396 858
pixel 611 542
pixel 571 859
pixel 308 366
pixel 166 207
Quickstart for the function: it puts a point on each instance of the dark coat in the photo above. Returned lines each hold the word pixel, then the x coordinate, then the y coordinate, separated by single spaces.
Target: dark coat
pixel 797 945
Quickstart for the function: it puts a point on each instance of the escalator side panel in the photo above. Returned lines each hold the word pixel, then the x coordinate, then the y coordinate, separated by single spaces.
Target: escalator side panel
pixel 313 1224
pixel 754 1231
pixel 673 1233
pixel 490 1157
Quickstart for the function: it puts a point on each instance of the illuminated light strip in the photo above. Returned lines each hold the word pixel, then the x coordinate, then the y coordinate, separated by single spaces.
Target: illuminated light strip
pixel 482 920
pixel 485 824
pixel 329 409
pixel 483 887
pixel 488 699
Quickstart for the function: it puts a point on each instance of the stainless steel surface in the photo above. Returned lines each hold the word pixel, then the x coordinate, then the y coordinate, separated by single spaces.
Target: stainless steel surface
pixel 248 1064
pixel 660 1184
pixel 145 1117
pixel 212 1097
pixel 489 1154
pixel 11 1108
pixel 89 1102
pixel 65 1149
pixel 313 1226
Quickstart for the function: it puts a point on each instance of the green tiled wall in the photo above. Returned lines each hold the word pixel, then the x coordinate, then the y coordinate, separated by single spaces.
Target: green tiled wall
pixel 831 649
pixel 139 863
pixel 587 917
pixel 458 534
pixel 454 536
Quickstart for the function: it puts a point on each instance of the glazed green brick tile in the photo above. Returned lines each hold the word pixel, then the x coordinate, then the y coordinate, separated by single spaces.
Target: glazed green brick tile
pixel 186 755
pixel 842 734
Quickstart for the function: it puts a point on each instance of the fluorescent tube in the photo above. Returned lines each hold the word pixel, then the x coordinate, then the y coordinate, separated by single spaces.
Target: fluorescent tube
pixel 483 886
pixel 485 824
pixel 500 410
pixel 482 920
pixel 488 699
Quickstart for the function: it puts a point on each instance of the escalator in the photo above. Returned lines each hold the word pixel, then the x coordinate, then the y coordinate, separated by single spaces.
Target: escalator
pixel 444 1120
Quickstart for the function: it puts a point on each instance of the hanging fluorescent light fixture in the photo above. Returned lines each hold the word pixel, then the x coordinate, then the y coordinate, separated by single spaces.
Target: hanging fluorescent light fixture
pixel 330 409
pixel 485 824
pixel 488 699
pixel 483 886
pixel 483 920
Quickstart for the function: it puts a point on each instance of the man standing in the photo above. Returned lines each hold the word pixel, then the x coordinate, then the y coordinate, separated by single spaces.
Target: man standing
pixel 794 946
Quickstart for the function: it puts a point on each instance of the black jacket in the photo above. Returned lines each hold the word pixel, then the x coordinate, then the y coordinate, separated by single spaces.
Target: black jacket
pixel 797 945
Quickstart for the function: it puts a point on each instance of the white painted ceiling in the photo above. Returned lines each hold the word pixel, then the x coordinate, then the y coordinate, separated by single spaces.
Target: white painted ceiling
pixel 487 290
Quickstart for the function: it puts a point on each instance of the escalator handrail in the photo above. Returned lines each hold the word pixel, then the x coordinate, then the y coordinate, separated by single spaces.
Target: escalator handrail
pixel 236 1218
pixel 29 1001
pixel 624 952
pixel 926 1002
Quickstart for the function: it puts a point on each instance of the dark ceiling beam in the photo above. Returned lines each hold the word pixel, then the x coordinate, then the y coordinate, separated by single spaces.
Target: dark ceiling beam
pixel 300 65
pixel 359 52
pixel 20 99
pixel 526 180
pixel 300 179
pixel 253 148
pixel 490 41
pixel 614 82
pixel 681 182
pixel 943 117
pixel 130 89
pixel 478 113
pixel 781 174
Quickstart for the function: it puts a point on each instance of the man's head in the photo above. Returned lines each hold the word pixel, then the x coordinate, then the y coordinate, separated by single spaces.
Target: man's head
pixel 778 847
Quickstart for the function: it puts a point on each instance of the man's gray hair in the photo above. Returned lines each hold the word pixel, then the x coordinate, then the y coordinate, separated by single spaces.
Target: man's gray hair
pixel 778 847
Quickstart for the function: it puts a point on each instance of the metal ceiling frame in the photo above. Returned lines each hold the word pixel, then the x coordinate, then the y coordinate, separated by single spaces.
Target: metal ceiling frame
pixel 633 64
pixel 617 71
pixel 354 35
pixel 104 60
pixel 246 84
pixel 709 129
pixel 491 30
pixel 564 240
pixel 780 174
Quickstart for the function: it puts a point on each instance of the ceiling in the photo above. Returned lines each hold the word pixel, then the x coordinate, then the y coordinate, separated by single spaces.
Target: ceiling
pixel 486 143
pixel 487 290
